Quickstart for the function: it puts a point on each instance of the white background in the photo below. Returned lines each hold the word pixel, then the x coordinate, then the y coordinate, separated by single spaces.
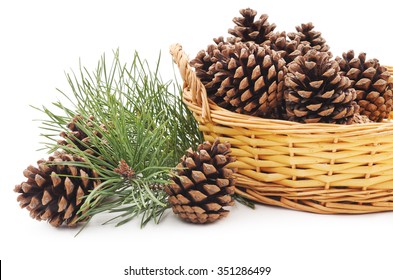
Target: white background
pixel 40 40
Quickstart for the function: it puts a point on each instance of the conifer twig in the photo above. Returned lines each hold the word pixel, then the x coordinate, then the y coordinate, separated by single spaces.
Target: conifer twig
pixel 141 128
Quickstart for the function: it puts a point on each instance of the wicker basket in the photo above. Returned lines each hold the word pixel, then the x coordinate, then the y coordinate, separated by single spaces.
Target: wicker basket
pixel 320 168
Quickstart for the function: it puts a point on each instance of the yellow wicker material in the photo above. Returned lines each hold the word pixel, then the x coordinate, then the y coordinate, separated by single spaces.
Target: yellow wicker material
pixel 320 168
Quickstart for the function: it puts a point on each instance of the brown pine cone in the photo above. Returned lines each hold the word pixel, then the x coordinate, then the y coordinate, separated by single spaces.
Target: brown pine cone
pixel 359 119
pixel 248 29
pixel 310 36
pixel 288 49
pixel 55 190
pixel 79 133
pixel 204 63
pixel 316 92
pixel 245 78
pixel 203 185
pixel 371 82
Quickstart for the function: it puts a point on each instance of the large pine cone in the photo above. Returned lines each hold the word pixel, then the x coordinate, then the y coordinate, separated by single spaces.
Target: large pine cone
pixel 249 29
pixel 245 77
pixel 316 92
pixel 371 82
pixel 55 190
pixel 203 185
pixel 310 36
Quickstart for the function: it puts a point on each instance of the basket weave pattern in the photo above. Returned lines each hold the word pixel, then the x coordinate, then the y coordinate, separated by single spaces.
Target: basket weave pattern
pixel 320 168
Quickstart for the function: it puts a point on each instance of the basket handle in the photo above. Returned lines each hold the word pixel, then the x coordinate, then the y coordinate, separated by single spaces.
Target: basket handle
pixel 191 81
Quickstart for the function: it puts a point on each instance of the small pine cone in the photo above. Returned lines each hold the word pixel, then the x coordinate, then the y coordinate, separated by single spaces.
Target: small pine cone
pixel 371 82
pixel 204 62
pixel 288 49
pixel 307 34
pixel 55 190
pixel 279 42
pixel 245 78
pixel 359 119
pixel 203 185
pixel 316 92
pixel 248 29
pixel 77 133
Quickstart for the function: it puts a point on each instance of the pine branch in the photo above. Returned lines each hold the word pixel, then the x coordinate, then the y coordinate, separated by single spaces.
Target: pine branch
pixel 138 120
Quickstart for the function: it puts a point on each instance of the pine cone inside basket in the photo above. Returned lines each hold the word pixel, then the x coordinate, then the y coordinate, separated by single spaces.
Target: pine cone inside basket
pixel 288 49
pixel 204 64
pixel 307 35
pixel 359 119
pixel 316 92
pixel 245 77
pixel 371 82
pixel 249 29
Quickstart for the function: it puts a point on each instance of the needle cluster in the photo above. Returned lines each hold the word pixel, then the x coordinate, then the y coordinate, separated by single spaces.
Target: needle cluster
pixel 140 130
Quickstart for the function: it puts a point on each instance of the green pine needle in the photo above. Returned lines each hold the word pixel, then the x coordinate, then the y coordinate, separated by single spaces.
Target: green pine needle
pixel 243 200
pixel 140 120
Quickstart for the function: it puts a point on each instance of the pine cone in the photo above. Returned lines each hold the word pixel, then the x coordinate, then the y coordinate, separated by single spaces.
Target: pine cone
pixel 78 127
pixel 247 29
pixel 288 49
pixel 316 92
pixel 55 190
pixel 203 185
pixel 359 119
pixel 204 64
pixel 371 82
pixel 307 35
pixel 245 78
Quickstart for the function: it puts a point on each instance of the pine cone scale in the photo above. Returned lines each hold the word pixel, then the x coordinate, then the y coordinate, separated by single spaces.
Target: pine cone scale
pixel 46 198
